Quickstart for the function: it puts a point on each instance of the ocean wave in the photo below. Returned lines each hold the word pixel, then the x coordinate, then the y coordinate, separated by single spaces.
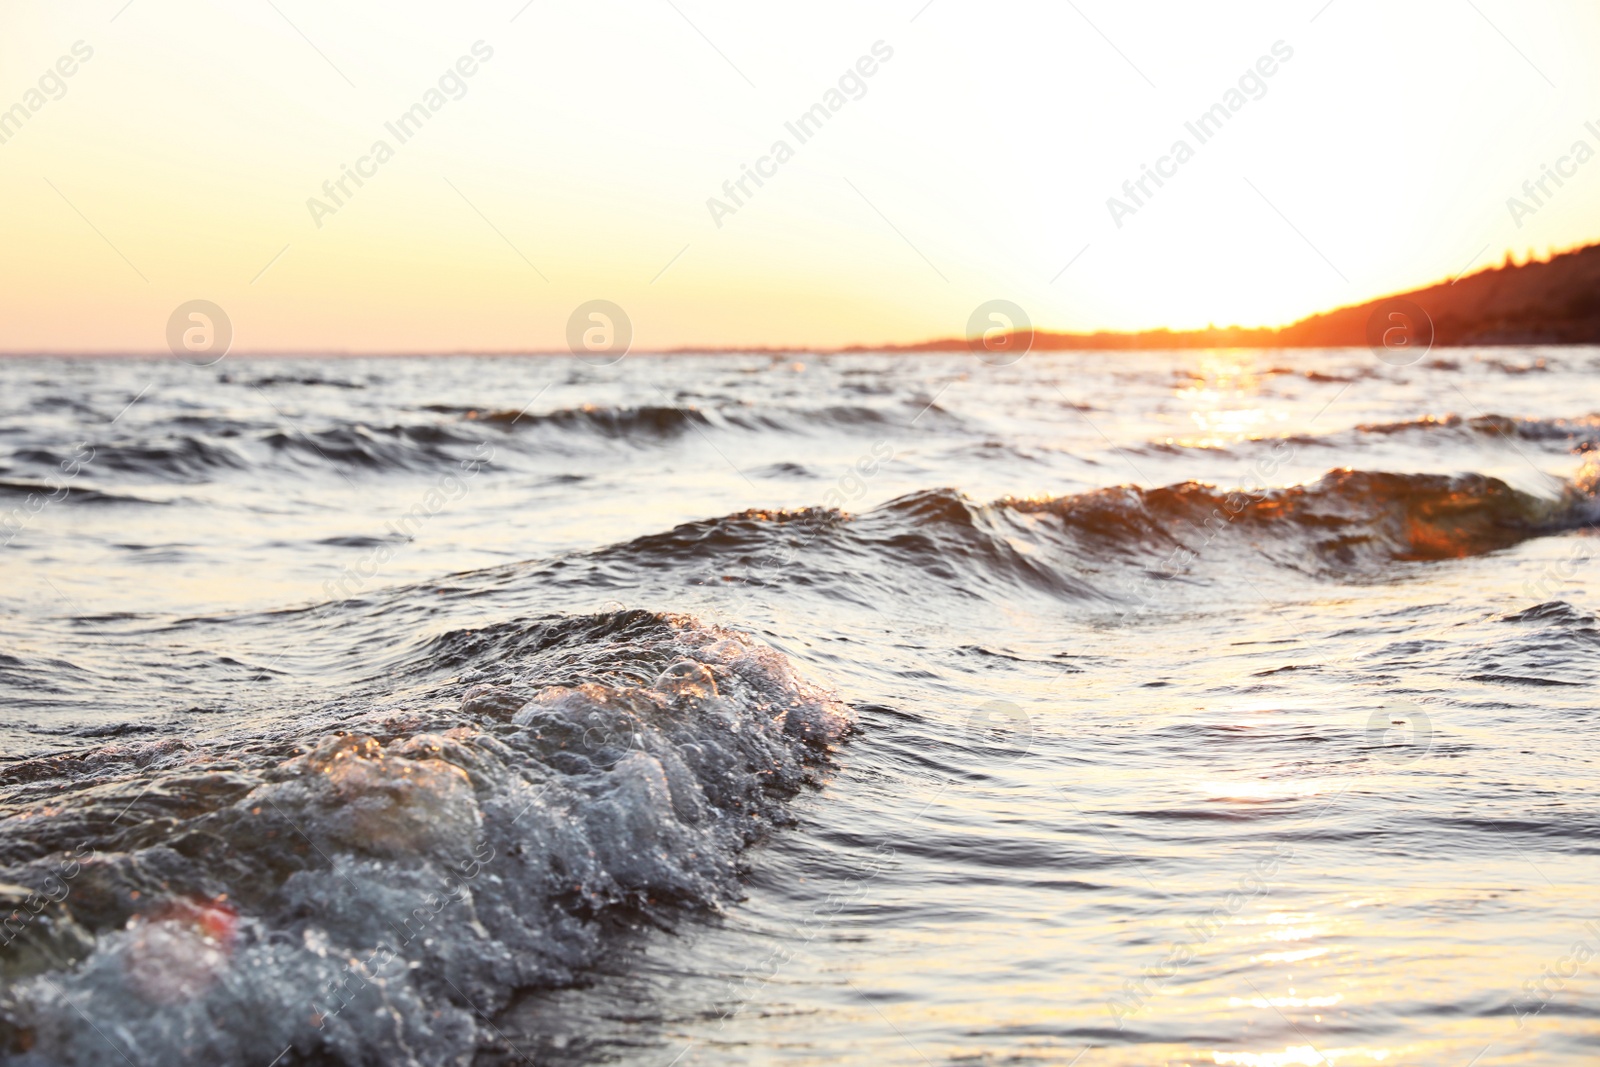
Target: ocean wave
pixel 1579 434
pixel 80 494
pixel 414 448
pixel 193 448
pixel 668 420
pixel 270 380
pixel 1551 644
pixel 205 456
pixel 1084 546
pixel 929 536
pixel 1491 425
pixel 610 422
pixel 847 417
pixel 362 890
pixel 184 457
pixel 1346 518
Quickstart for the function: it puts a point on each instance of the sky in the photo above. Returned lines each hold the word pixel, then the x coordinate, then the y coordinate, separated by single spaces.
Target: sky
pixel 969 152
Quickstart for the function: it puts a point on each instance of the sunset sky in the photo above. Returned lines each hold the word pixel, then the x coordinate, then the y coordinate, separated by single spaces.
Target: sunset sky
pixel 176 163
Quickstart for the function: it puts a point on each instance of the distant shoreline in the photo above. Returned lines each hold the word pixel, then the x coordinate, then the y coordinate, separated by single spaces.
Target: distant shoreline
pixel 775 353
pixel 1553 302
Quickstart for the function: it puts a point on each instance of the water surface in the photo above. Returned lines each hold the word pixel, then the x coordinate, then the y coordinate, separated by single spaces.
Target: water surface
pixel 1135 708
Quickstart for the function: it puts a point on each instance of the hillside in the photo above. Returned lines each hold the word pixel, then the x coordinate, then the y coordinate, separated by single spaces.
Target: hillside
pixel 1554 302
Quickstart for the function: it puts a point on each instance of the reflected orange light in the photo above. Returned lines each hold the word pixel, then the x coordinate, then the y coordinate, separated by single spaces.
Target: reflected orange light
pixel 1223 398
pixel 1286 1002
pixel 1300 1056
pixel 1289 957
pixel 1258 790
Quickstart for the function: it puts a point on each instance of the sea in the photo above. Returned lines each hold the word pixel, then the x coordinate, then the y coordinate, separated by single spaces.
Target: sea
pixel 1069 708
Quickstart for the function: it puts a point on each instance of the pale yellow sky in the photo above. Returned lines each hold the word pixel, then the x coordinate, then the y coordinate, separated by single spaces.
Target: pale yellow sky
pixel 971 158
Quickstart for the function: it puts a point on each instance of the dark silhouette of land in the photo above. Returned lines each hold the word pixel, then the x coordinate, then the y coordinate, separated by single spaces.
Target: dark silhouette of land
pixel 1551 302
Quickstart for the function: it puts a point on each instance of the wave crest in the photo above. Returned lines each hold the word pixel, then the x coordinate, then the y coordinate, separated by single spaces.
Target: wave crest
pixel 364 897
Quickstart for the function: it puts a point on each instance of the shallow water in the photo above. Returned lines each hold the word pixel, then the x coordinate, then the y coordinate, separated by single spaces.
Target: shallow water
pixel 1144 708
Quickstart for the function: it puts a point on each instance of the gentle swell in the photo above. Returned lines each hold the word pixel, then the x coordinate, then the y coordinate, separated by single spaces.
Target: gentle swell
pixel 1349 523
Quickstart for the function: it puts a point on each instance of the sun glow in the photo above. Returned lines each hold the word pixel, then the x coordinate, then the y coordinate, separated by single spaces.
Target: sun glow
pixel 296 192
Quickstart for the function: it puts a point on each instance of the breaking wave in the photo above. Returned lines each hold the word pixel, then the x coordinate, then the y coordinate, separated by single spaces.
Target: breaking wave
pixel 366 888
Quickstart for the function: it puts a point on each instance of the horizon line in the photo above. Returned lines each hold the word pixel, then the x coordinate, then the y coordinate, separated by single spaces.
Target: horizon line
pixel 931 346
